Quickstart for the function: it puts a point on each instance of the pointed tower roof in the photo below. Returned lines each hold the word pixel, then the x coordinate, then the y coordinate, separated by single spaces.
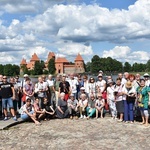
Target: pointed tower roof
pixel 79 58
pixel 61 60
pixel 23 62
pixel 34 57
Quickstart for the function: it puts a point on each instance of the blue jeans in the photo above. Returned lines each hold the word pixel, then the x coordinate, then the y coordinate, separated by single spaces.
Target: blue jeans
pixel 128 111
pixel 25 116
pixel 7 101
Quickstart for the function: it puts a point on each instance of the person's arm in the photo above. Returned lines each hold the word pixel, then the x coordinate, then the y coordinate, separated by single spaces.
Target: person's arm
pixel 13 91
pixel 60 109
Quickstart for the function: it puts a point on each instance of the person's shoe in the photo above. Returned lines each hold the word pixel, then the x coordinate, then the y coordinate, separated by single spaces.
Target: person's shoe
pixel 71 117
pixel 6 118
pixel 15 118
pixel 81 117
pixel 120 120
pixel 84 117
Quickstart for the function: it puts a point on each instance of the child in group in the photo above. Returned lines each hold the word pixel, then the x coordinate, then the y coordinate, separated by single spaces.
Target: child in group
pixel 99 105
pixel 49 111
pixel 72 106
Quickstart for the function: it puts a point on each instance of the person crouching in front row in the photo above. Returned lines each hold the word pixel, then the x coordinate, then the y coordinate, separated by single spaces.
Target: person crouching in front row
pixel 62 108
pixel 99 105
pixel 49 111
pixel 83 103
pixel 28 112
pixel 91 110
pixel 72 107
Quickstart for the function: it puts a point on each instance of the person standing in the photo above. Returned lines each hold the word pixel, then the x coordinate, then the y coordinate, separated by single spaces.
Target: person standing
pixel 8 95
pixel 64 87
pixel 1 81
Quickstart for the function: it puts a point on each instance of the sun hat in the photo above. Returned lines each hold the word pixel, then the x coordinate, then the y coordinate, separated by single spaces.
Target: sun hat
pixel 82 88
pixel 128 84
pixel 25 75
pixel 100 75
pixel 109 81
pixel 146 75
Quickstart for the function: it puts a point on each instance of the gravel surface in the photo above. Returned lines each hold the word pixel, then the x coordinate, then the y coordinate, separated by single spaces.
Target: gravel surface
pixel 81 134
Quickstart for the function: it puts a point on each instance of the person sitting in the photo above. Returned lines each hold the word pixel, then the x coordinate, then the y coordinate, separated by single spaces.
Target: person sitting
pixel 72 106
pixel 40 113
pixel 91 110
pixel 62 109
pixel 99 105
pixel 49 111
pixel 83 103
pixel 27 112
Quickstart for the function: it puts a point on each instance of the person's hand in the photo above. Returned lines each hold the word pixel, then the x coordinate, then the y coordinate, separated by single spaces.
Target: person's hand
pixel 13 98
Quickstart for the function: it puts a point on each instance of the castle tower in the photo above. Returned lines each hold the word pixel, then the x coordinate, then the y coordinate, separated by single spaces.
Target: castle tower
pixel 79 64
pixel 22 65
pixel 50 56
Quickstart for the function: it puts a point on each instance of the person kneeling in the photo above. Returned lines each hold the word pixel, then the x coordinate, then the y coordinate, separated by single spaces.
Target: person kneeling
pixel 28 112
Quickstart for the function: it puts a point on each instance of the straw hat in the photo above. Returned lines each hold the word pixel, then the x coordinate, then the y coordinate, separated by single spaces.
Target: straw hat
pixel 128 84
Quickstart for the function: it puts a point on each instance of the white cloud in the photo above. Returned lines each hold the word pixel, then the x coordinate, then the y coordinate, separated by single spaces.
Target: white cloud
pixel 49 25
pixel 124 53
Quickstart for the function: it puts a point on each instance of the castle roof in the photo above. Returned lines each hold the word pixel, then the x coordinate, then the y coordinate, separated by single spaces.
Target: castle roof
pixel 23 62
pixel 61 60
pixel 34 57
pixel 50 55
pixel 79 58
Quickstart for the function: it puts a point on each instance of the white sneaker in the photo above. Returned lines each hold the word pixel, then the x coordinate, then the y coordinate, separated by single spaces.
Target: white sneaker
pixel 84 117
pixel 81 117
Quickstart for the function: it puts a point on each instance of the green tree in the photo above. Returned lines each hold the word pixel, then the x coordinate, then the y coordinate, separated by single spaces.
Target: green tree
pixel 16 70
pixel 51 66
pixel 148 65
pixel 37 68
pixel 95 64
pixel 8 70
pixel 88 67
pixel 1 69
pixel 127 67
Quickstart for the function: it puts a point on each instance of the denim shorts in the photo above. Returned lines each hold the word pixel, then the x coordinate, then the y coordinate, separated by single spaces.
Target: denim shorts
pixel 7 101
pixel 25 116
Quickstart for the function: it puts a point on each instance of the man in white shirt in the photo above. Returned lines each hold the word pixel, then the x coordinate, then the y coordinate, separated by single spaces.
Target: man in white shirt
pixel 73 85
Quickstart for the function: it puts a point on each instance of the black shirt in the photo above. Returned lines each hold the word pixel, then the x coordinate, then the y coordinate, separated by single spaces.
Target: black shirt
pixel 6 91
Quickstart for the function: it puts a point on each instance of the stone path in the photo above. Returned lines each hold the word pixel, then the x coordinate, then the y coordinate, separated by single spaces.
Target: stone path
pixel 66 134
pixel 9 123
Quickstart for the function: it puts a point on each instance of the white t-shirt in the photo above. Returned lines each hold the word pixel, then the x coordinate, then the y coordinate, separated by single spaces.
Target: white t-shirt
pixel 99 102
pixel 50 83
pixel 73 85
pixel 119 89
pixel 25 108
pixel 83 103
pixel 101 84
pixel 92 87
pixel 110 93
pixel 124 89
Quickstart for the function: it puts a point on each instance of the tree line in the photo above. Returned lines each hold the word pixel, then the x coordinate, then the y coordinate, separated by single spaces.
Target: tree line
pixel 112 65
pixel 108 65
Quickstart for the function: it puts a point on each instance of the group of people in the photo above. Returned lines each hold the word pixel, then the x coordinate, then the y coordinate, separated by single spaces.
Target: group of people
pixel 76 96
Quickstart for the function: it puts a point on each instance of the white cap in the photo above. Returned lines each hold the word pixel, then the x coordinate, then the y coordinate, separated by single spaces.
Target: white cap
pixel 25 75
pixel 146 75
pixel 82 88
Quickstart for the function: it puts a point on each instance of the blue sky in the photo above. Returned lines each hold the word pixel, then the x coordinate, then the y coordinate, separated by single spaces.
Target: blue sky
pixel 109 28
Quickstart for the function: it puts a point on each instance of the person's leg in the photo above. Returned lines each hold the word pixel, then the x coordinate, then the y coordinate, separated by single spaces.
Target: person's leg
pixel 4 105
pixel 92 112
pixel 102 111
pixel 10 104
pixel 142 115
pixel 96 113
pixel 125 110
pixel 87 110
pixel 146 114
pixel 131 112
